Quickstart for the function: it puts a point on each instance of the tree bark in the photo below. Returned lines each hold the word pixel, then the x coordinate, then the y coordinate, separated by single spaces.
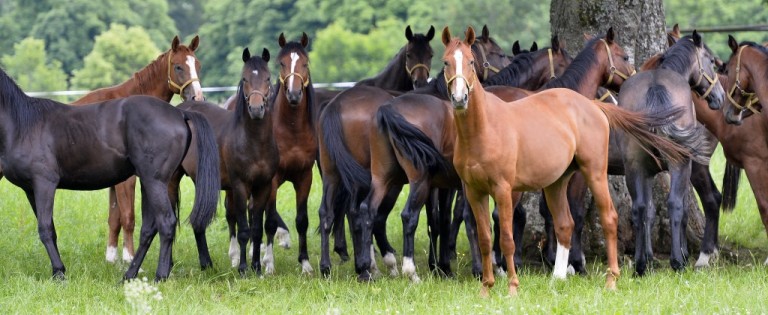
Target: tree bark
pixel 640 29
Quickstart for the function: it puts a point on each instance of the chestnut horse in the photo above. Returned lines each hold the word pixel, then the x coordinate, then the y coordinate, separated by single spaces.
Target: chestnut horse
pixel 343 126
pixel 48 145
pixel 746 70
pixel 536 143
pixel 173 72
pixel 248 155
pixel 412 141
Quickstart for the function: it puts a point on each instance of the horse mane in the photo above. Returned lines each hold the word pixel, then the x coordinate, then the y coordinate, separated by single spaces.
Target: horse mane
pixel 678 57
pixel 516 72
pixel 397 63
pixel 25 111
pixel 154 67
pixel 574 73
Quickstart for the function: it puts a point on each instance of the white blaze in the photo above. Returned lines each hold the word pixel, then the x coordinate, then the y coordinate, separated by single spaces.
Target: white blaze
pixel 193 75
pixel 459 81
pixel 294 59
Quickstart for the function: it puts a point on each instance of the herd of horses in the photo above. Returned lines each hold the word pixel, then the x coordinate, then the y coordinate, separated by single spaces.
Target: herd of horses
pixel 486 126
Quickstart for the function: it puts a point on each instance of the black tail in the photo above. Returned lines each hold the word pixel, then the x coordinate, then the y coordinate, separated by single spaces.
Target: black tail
pixel 354 177
pixel 730 186
pixel 208 181
pixel 410 141
pixel 694 138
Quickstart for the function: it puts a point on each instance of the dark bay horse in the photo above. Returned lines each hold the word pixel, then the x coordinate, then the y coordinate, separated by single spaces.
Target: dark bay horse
pixel 294 114
pixel 412 140
pixel 49 145
pixel 248 155
pixel 500 148
pixel 686 65
pixel 746 144
pixel 173 72
pixel 351 162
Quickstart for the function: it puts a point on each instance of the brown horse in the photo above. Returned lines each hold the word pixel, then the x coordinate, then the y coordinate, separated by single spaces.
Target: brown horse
pixel 343 126
pixel 412 140
pixel 248 155
pixel 173 72
pixel 535 143
pixel 745 146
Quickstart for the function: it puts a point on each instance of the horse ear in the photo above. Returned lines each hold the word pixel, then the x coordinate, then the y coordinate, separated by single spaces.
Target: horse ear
pixel 697 39
pixel 175 43
pixel 733 44
pixel 281 40
pixel 431 33
pixel 534 47
pixel 610 36
pixel 671 40
pixel 486 33
pixel 516 48
pixel 556 43
pixel 446 36
pixel 675 31
pixel 246 54
pixel 408 33
pixel 469 36
pixel 265 55
pixel 194 43
pixel 304 40
pixel 588 37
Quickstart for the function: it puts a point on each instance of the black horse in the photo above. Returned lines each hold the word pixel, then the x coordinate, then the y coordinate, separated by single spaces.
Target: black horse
pixel 45 145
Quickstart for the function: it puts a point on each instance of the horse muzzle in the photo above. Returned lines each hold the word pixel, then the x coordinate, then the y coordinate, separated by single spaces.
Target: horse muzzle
pixel 257 111
pixel 293 97
pixel 732 117
pixel 461 102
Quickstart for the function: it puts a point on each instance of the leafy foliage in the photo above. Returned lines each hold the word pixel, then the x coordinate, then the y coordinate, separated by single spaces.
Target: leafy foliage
pixel 116 55
pixel 29 68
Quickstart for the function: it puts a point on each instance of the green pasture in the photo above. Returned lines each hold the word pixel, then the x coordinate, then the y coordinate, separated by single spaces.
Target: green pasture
pixel 732 286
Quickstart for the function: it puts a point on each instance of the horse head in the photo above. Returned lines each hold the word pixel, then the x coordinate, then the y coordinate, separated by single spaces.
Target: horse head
pixel 460 71
pixel 618 68
pixel 184 70
pixel 294 67
pixel 255 85
pixel 492 57
pixel 418 56
pixel 742 96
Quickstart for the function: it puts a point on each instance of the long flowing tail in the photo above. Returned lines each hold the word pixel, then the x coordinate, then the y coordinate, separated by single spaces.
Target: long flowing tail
pixel 410 141
pixel 637 125
pixel 730 186
pixel 208 181
pixel 354 177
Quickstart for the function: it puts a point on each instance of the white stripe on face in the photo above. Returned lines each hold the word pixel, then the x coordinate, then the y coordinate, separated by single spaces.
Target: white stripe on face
pixel 460 84
pixel 256 72
pixel 193 75
pixel 294 59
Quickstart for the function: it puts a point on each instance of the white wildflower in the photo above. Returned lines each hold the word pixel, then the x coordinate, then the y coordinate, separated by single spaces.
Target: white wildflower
pixel 140 294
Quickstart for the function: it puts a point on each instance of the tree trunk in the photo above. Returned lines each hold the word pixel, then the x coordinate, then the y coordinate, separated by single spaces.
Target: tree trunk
pixel 639 26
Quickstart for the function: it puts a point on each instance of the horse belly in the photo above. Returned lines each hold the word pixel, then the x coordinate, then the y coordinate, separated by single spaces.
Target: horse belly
pixel 541 162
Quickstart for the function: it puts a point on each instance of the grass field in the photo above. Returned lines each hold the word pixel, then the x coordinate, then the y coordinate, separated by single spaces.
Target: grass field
pixel 93 286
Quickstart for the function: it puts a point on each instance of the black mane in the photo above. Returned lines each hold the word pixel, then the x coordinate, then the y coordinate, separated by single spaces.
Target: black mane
pixel 25 111
pixel 515 73
pixel 678 57
pixel 571 78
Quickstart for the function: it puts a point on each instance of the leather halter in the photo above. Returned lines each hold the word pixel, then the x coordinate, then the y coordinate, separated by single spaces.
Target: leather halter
pixel 712 81
pixel 264 96
pixel 172 84
pixel 418 65
pixel 751 97
pixel 486 65
pixel 304 81
pixel 613 67
pixel 454 77
pixel 551 64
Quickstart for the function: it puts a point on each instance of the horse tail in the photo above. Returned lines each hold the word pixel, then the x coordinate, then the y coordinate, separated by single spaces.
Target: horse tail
pixel 208 181
pixel 353 175
pixel 637 124
pixel 410 141
pixel 730 186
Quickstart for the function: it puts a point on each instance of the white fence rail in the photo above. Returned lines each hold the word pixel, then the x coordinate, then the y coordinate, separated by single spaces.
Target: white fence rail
pixel 337 85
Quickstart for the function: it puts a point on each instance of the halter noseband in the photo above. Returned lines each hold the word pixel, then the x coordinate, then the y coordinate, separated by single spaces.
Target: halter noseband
pixel 486 65
pixel 751 97
pixel 456 76
pixel 172 84
pixel 613 67
pixel 418 65
pixel 247 97
pixel 712 81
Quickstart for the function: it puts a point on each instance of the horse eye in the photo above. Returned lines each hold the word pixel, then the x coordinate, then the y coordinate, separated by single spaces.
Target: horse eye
pixel 472 62
pixel 626 58
pixel 408 55
pixel 282 64
pixel 178 68
pixel 445 63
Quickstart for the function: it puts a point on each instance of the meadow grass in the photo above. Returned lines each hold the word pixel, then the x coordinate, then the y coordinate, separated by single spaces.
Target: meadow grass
pixel 93 286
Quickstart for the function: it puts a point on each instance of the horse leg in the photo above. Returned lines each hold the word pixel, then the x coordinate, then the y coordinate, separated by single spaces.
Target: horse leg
pixel 126 194
pixel 479 204
pixel 458 217
pixel 577 192
pixel 548 245
pixel 498 256
pixel 328 216
pixel 378 207
pixel 114 226
pixel 639 185
pixel 231 216
pixel 470 226
pixel 41 199
pixel 505 204
pixel 557 199
pixel 417 197
pixel 146 235
pixel 519 223
pixel 679 186
pixel 282 233
pixel 155 193
pixel 302 188
pixel 710 197
pixel 339 237
pixel 609 220
pixel 256 209
pixel 270 226
pixel 433 229
pixel 445 199
pixel 757 175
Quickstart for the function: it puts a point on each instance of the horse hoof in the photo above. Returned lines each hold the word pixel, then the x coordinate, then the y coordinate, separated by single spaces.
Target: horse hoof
pixel 325 271
pixel 365 276
pixel 343 255
pixel 206 265
pixel 283 238
pixel 242 272
pixel 677 265
pixel 111 255
pixel 59 276
pixel 306 267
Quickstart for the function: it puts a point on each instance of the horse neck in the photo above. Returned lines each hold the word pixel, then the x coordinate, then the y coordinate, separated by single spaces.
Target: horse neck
pixel 150 80
pixel 713 120
pixel 758 71
pixel 394 76
pixel 293 118
pixel 584 81
pixel 472 123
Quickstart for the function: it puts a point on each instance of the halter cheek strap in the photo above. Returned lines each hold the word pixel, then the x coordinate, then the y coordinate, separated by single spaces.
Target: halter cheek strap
pixel 551 64
pixel 486 65
pixel 712 81
pixel 172 84
pixel 751 97
pixel 304 82
pixel 612 68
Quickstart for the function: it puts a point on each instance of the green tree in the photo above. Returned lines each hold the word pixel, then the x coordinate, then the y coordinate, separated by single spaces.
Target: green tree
pixel 116 55
pixel 30 69
pixel 187 15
